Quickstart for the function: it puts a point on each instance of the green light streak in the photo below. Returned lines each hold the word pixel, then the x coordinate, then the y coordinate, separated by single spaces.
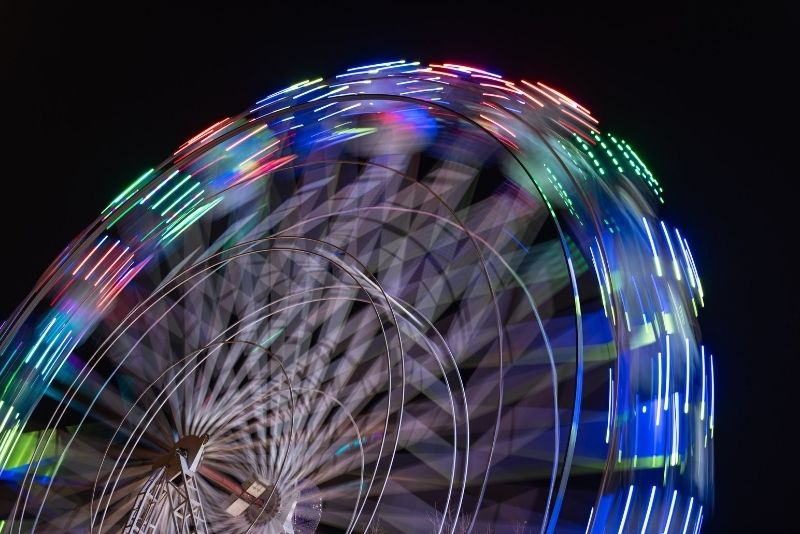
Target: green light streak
pixel 267 342
pixel 153 229
pixel 9 443
pixel 184 195
pixel 168 221
pixel 41 339
pixel 11 381
pixel 174 188
pixel 128 189
pixel 121 215
pixel 181 225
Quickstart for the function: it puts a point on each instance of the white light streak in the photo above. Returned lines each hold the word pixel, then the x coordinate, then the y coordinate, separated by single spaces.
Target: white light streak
pixel 625 512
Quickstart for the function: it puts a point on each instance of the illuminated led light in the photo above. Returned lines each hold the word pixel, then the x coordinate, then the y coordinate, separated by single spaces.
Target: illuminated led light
pixel 8 436
pixel 189 219
pixel 290 89
pixel 472 69
pixel 130 189
pixel 120 284
pixel 658 402
pixel 541 92
pixel 123 214
pixel 649 509
pixel 688 515
pixel 676 432
pixel 375 70
pixel 67 352
pixel 711 416
pixel 376 65
pixel 329 93
pixel 169 193
pixel 348 108
pixel 703 390
pixel 78 268
pixel 699 519
pixel 512 90
pixel 689 270
pixel 675 266
pixel 610 403
pixel 5 419
pixel 263 169
pixel 304 93
pixel 273 112
pixel 422 91
pixel 439 72
pixel 8 443
pixel 507 86
pixel 123 266
pixel 184 195
pixel 158 187
pixel 484 117
pixel 625 512
pixel 566 99
pixel 671 511
pixel 599 282
pixel 652 247
pixel 186 204
pixel 111 266
pixel 351 82
pixel 248 160
pixel 57 353
pixel 694 270
pixel 101 260
pixel 46 350
pixel 209 164
pixel 246 137
pixel 176 216
pixel 606 278
pixel 688 369
pixel 584 123
pixel 531 98
pixel 208 131
pixel 668 372
pixel 325 106
pixel 576 131
pixel 44 334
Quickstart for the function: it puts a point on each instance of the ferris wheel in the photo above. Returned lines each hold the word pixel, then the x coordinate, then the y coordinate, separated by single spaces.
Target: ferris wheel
pixel 406 298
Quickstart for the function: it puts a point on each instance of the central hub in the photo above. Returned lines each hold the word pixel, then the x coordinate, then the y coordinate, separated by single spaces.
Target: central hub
pixel 270 503
pixel 259 503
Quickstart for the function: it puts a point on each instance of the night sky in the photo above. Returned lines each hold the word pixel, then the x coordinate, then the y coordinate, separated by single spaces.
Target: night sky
pixel 92 98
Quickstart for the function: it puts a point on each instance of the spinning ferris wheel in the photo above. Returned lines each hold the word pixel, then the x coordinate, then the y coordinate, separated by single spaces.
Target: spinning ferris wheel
pixel 403 299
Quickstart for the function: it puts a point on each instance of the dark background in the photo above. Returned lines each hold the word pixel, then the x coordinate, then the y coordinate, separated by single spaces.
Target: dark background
pixel 92 97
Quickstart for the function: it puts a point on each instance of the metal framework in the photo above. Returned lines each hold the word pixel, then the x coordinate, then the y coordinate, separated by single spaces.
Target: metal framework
pixel 172 480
